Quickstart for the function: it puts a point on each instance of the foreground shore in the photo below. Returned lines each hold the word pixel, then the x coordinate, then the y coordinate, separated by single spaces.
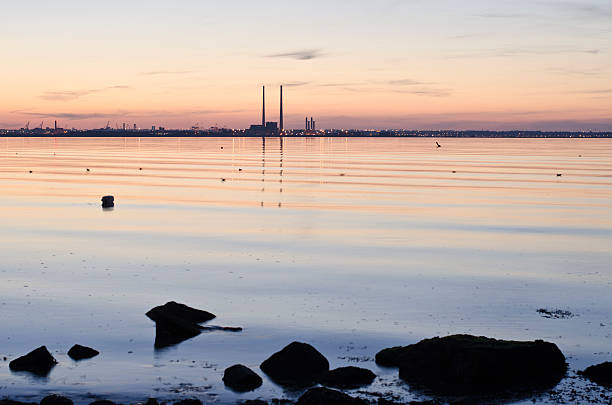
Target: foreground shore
pixel 456 369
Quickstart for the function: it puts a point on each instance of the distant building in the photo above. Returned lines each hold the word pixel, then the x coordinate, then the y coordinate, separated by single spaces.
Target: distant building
pixel 266 128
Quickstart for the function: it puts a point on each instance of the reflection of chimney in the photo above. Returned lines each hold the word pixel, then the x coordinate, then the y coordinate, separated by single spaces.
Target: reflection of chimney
pixel 281 109
pixel 263 106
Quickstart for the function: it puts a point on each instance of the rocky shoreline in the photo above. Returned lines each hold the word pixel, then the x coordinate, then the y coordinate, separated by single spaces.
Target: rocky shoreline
pixel 456 369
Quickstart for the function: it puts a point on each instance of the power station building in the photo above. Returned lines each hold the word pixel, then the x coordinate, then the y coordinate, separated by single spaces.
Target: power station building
pixel 267 128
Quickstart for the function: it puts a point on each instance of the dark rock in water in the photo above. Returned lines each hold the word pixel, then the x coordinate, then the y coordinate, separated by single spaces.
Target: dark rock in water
pixel 555 313
pixel 383 401
pixel 56 400
pixel 78 352
pixel 469 364
pixel 325 396
pixel 297 364
pixel 151 401
pixel 176 322
pixel 173 310
pixel 102 402
pixel 241 378
pixel 190 401
pixel 38 361
pixel 254 402
pixel 347 377
pixel 600 374
pixel 108 201
pixel 11 402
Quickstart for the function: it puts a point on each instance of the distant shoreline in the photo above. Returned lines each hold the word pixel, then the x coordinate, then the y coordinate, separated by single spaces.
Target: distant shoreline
pixel 228 133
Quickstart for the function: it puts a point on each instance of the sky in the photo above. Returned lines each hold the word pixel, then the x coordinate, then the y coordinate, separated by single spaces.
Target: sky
pixel 417 64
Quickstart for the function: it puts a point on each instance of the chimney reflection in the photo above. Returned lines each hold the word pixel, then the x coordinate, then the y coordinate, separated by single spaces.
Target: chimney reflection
pixel 263 169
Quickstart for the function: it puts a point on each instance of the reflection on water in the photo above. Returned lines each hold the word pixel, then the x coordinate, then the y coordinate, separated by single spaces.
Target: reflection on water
pixel 349 244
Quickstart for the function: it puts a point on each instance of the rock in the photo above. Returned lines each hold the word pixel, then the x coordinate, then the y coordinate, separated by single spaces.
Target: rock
pixel 176 322
pixel 383 401
pixel 555 313
pixel 11 402
pixel 38 361
pixel 254 402
pixel 78 352
pixel 462 364
pixel 108 201
pixel 190 401
pixel 347 377
pixel 56 400
pixel 297 364
pixel 151 401
pixel 326 396
pixel 241 378
pixel 173 311
pixel 102 402
pixel 600 374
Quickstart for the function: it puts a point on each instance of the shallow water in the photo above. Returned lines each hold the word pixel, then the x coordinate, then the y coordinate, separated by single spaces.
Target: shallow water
pixel 351 245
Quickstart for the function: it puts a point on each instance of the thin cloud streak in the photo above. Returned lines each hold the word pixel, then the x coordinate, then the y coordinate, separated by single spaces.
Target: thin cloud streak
pixel 405 82
pixel 68 95
pixel 166 72
pixel 304 54
pixel 295 84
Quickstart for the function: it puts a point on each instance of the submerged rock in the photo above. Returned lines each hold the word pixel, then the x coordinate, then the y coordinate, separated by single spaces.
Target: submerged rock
pixel 470 364
pixel 176 322
pixel 78 352
pixel 175 311
pixel 189 401
pixel 600 374
pixel 297 364
pixel 38 361
pixel 347 377
pixel 326 396
pixel 56 400
pixel 102 402
pixel 11 402
pixel 241 378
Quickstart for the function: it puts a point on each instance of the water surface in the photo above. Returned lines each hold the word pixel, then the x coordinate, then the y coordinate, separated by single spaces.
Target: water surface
pixel 352 245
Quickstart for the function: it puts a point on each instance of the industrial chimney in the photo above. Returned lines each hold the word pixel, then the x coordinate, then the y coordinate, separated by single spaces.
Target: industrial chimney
pixel 280 123
pixel 263 106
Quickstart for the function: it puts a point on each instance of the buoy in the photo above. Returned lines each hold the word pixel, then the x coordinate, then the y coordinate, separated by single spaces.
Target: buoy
pixel 108 201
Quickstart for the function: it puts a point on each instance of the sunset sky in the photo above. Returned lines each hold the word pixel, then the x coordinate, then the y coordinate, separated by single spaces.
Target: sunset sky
pixel 421 64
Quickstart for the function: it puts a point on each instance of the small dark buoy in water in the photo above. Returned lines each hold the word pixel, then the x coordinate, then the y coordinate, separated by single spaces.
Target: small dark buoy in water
pixel 559 174
pixel 222 147
pixel 108 201
pixel 438 145
pixel 140 168
pixel 30 171
pixel 454 171
pixel 222 179
pixel 239 170
pixel 87 169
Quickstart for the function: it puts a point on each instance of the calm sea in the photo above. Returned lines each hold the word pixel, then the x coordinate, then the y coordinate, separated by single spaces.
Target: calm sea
pixel 352 245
